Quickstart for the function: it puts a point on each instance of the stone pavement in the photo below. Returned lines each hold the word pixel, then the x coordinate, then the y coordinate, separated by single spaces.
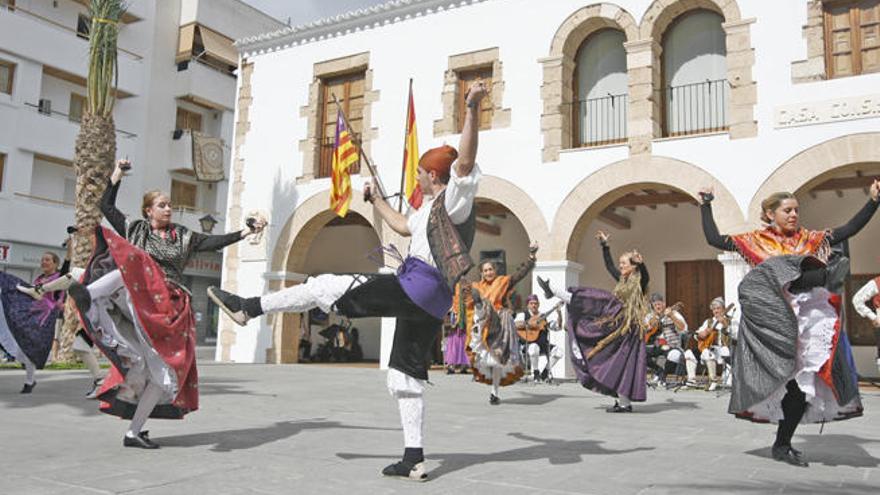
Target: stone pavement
pixel 311 429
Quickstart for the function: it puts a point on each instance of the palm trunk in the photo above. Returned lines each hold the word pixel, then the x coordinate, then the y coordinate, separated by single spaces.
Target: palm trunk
pixel 93 163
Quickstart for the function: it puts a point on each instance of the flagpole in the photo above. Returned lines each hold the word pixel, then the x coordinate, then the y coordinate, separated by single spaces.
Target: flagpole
pixel 361 152
pixel 405 142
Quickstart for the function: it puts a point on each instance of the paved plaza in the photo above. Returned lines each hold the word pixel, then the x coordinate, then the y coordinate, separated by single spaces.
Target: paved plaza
pixel 317 429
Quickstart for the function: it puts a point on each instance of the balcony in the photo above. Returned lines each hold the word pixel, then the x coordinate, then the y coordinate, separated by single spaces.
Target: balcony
pixel 698 108
pixel 206 86
pixel 54 44
pixel 182 152
pixel 600 121
pixel 52 133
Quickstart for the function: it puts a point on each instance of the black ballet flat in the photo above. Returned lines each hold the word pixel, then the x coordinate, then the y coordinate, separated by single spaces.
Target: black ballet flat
pixel 494 400
pixel 142 441
pixel 786 453
pixel 617 408
pixel 28 388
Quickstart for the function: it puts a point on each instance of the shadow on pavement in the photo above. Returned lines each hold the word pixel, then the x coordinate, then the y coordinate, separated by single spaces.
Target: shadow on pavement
pixel 832 450
pixel 665 406
pixel 804 487
pixel 555 451
pixel 248 438
pixel 530 399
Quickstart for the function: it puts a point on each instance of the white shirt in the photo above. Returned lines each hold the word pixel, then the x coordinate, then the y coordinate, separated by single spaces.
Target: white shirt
pixel 860 300
pixel 460 194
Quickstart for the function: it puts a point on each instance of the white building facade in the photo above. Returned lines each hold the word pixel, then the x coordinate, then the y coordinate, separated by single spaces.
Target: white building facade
pixel 604 116
pixel 176 78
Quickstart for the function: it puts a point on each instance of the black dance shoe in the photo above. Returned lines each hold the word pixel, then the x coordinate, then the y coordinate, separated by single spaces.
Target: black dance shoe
pixel 537 376
pixel 494 400
pixel 28 388
pixel 231 304
pixel 787 454
pixel 406 471
pixel 617 408
pixel 544 284
pixel 141 441
pixel 81 296
pixel 545 375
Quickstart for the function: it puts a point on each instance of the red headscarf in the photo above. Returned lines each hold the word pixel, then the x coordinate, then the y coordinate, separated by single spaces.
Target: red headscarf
pixel 439 160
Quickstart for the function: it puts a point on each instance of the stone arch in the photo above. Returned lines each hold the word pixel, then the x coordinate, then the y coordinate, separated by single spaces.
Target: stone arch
pixel 519 203
pixel 815 164
pixel 740 60
pixel 662 13
pixel 289 254
pixel 598 190
pixel 558 67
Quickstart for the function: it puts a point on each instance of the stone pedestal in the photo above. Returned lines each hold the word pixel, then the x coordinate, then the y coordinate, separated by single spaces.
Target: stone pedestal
pixel 561 274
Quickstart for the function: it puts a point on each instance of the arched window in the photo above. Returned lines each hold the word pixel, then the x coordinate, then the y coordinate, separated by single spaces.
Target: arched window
pixel 600 89
pixel 695 88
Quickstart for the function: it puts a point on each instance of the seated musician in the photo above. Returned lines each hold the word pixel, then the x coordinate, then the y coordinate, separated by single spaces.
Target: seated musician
pixel 533 328
pixel 713 344
pixel 664 343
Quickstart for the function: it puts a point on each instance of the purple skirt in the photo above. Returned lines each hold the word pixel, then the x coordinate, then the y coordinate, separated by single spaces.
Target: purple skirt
pixel 25 323
pixel 455 355
pixel 620 369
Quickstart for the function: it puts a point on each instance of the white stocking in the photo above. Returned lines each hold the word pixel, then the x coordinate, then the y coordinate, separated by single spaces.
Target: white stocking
pixel 146 403
pixel 555 356
pixel 412 418
pixel 691 369
pixel 624 401
pixel 88 358
pixel 30 368
pixel 321 291
pixel 710 368
pixel 106 285
pixel 496 380
pixel 562 294
pixel 534 356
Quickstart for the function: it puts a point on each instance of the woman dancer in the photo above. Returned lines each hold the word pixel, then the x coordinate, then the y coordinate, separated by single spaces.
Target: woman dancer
pixel 27 326
pixel 454 355
pixel 493 347
pixel 606 330
pixel 793 363
pixel 133 304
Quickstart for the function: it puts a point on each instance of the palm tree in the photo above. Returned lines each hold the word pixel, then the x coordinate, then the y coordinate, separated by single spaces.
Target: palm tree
pixel 95 144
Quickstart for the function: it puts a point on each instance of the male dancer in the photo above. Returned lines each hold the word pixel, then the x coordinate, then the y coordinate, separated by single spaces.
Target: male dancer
pixel 419 295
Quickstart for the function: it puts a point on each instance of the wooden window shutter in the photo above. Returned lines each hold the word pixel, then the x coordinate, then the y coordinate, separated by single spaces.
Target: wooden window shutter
pixel 869 35
pixel 465 79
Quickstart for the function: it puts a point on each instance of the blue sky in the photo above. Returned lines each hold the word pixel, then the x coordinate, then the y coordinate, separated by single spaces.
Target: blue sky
pixel 302 11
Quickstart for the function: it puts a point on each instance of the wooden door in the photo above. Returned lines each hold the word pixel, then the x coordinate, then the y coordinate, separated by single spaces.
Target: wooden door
pixel 694 283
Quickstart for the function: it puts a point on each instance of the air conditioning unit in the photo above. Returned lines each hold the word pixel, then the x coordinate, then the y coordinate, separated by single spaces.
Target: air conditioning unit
pixel 45 106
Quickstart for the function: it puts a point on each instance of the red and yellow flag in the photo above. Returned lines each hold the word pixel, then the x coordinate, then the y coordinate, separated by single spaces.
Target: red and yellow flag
pixel 411 190
pixel 345 154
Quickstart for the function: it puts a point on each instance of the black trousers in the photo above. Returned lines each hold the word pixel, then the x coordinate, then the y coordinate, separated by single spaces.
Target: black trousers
pixel 415 329
pixel 794 404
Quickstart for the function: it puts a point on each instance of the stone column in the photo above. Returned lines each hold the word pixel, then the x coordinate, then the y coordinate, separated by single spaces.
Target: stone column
pixel 643 112
pixel 561 274
pixel 743 88
pixel 557 95
pixel 735 268
pixel 813 67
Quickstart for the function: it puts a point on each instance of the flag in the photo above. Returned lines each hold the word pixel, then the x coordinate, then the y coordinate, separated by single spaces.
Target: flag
pixel 411 190
pixel 345 154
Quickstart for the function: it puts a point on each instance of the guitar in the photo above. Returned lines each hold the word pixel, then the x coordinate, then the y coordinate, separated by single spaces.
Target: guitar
pixel 536 324
pixel 654 322
pixel 710 338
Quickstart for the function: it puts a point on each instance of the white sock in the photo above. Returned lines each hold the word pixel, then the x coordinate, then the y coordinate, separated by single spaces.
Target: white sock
pixel 29 370
pixel 624 401
pixel 496 380
pixel 554 358
pixel 562 294
pixel 691 369
pixel 412 419
pixel 146 403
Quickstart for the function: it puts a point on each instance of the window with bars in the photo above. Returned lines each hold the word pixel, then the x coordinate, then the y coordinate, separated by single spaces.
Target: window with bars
pixel 852 37
pixel 7 73
pixel 77 106
pixel 188 120
pixel 465 79
pixel 349 90
pixel 183 194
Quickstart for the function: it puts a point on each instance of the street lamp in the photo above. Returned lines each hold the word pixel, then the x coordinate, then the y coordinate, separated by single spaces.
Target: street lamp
pixel 207 222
